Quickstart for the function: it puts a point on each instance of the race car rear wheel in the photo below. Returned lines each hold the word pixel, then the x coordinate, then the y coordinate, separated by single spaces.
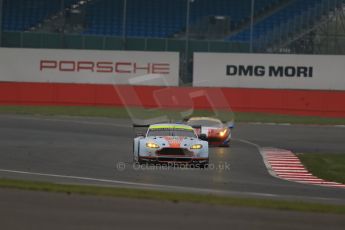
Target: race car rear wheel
pixel 135 160
pixel 225 145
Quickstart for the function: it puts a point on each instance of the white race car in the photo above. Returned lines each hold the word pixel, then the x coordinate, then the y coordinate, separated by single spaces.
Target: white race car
pixel 217 133
pixel 170 143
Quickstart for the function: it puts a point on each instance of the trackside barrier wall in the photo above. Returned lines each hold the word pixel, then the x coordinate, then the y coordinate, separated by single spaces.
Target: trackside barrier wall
pixel 72 41
pixel 86 66
pixel 298 102
pixel 20 86
pixel 269 71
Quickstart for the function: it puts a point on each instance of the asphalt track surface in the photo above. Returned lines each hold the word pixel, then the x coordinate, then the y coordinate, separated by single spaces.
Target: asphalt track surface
pixel 88 151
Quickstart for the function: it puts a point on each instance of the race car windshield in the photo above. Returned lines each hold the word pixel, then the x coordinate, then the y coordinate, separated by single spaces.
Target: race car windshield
pixel 171 132
pixel 209 123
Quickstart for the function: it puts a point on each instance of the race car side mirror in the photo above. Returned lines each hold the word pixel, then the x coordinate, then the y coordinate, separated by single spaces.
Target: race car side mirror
pixel 203 137
pixel 185 119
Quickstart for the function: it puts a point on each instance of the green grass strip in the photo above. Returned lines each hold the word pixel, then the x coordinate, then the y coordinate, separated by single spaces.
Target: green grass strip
pixel 119 112
pixel 276 118
pixel 172 196
pixel 330 167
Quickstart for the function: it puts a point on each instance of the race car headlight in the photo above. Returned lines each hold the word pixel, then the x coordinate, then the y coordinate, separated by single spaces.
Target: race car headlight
pixel 152 145
pixel 222 133
pixel 197 146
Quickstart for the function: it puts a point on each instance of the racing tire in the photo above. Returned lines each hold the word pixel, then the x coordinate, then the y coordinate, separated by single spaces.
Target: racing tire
pixel 225 145
pixel 141 162
pixel 134 160
pixel 203 165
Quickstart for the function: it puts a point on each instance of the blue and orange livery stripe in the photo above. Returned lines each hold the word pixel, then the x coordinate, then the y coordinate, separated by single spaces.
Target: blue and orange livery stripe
pixel 174 142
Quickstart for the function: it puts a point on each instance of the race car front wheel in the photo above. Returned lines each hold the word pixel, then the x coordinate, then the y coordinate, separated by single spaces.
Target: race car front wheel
pixel 201 165
pixel 204 165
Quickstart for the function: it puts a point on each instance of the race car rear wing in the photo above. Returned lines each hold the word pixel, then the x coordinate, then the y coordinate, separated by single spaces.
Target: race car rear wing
pixel 142 129
pixel 201 136
pixel 140 126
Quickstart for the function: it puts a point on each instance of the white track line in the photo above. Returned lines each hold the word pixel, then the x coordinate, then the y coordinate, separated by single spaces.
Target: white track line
pixel 170 188
pixel 285 165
